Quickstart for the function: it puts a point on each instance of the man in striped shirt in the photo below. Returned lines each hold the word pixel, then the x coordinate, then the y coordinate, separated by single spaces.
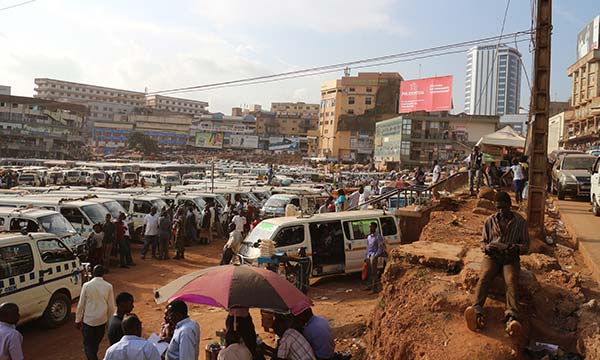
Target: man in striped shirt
pixel 505 238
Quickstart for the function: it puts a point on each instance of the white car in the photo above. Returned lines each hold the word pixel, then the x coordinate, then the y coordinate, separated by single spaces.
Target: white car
pixel 40 274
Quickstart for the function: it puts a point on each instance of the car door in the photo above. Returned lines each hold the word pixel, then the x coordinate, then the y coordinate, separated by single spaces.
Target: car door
pixel 356 232
pixel 20 281
pixel 58 267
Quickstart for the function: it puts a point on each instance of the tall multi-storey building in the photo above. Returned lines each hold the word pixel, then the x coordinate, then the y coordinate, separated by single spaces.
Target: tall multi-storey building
pixel 584 128
pixel 493 81
pixel 4 90
pixel 350 107
pixel 107 104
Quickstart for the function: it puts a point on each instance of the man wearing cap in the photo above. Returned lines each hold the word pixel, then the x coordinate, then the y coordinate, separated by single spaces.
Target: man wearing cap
pixel 475 167
pixel 505 238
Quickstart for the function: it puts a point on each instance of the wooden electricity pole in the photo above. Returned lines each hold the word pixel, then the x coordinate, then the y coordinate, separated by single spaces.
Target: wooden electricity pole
pixel 539 114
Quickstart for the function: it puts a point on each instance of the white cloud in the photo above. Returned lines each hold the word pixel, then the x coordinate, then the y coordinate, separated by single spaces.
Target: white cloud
pixel 327 16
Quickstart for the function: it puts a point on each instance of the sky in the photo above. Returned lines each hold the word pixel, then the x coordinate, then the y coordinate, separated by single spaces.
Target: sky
pixel 155 45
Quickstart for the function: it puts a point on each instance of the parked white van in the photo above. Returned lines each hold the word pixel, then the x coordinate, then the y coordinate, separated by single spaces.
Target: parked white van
pixel 39 220
pixel 40 274
pixel 150 177
pixel 81 214
pixel 335 242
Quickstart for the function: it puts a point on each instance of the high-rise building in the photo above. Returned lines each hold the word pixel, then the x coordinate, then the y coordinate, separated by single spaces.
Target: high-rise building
pixel 4 90
pixel 493 81
pixel 350 107
pixel 295 119
pixel 108 104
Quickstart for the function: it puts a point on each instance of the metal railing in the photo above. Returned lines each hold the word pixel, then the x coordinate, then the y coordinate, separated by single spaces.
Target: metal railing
pixel 418 194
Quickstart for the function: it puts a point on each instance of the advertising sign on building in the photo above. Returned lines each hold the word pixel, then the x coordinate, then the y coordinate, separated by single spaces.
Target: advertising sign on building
pixel 243 141
pixel 281 143
pixel 213 140
pixel 588 39
pixel 431 94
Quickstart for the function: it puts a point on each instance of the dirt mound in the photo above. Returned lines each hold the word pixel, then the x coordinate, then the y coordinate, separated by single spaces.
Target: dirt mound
pixel 420 311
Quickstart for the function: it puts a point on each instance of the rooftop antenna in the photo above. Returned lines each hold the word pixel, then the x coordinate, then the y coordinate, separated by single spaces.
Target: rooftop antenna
pixel 346 71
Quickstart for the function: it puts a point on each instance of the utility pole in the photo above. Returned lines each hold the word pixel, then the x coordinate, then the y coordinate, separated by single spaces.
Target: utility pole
pixel 539 115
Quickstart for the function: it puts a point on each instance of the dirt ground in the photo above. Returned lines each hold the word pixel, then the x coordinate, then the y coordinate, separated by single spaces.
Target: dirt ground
pixel 338 299
pixel 420 312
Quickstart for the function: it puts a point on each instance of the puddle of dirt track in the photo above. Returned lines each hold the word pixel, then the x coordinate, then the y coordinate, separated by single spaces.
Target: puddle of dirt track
pixel 340 299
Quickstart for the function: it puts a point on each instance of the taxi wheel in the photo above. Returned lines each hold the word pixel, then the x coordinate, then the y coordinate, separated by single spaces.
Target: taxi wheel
pixel 58 310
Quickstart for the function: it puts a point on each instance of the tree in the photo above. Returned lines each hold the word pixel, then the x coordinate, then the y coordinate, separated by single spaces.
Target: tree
pixel 142 142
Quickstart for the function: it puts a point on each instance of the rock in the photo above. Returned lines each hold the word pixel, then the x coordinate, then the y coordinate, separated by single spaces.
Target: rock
pixel 588 329
pixel 482 211
pixel 432 254
pixel 486 204
pixel 487 193
pixel 469 276
pixel 539 262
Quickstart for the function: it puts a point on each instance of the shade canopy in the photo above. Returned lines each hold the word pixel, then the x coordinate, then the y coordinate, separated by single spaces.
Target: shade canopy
pixel 506 137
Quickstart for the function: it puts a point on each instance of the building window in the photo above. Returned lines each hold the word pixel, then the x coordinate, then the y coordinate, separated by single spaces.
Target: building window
pixel 368 100
pixel 369 89
pixel 351 89
pixel 351 100
pixel 350 111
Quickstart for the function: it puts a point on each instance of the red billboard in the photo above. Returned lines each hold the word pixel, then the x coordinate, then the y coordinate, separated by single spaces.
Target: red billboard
pixel 431 94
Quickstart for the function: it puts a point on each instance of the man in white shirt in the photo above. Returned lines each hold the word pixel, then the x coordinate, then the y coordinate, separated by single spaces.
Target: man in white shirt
pixel 151 228
pixel 437 172
pixel 95 307
pixel 363 198
pixel 239 222
pixel 132 346
pixel 232 246
pixel 11 340
pixel 185 343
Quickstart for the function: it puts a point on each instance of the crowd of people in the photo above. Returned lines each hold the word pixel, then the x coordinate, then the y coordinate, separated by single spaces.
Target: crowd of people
pixel 304 336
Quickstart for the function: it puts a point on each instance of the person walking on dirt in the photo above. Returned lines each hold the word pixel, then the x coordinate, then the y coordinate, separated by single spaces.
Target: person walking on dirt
pixel 475 166
pixel 180 233
pixel 233 245
pixel 375 249
pixel 94 309
pixel 108 240
pixel 122 242
pixel 164 234
pixel 505 238
pixel 150 232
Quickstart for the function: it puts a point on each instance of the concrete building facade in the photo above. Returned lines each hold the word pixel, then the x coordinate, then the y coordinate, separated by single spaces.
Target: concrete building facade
pixel 557 129
pixel 584 129
pixel 294 119
pixel 416 139
pixel 519 122
pixel 493 81
pixel 349 109
pixel 108 104
pixel 31 127
pixel 4 90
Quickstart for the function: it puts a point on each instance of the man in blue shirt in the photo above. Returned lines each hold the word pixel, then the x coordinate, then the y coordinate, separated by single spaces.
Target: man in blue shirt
pixel 318 333
pixel 375 249
pixel 185 344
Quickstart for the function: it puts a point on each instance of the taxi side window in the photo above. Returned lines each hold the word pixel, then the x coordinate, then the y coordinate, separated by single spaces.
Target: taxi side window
pixel 15 260
pixel 388 226
pixel 361 228
pixel 52 251
pixel 143 207
pixel 74 216
pixel 19 224
pixel 124 203
pixel 292 235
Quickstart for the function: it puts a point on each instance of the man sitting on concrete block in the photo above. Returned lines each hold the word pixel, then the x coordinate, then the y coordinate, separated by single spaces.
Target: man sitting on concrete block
pixel 505 238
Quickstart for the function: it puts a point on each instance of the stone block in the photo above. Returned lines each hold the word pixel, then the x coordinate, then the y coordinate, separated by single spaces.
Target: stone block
pixel 432 254
pixel 487 193
pixel 482 211
pixel 487 204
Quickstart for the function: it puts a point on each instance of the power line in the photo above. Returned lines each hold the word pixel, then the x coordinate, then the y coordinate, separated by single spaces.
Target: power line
pixel 324 72
pixel 349 64
pixel 17 5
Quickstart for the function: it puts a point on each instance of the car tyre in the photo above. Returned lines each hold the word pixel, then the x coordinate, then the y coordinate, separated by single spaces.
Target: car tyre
pixel 595 207
pixel 560 192
pixel 58 310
